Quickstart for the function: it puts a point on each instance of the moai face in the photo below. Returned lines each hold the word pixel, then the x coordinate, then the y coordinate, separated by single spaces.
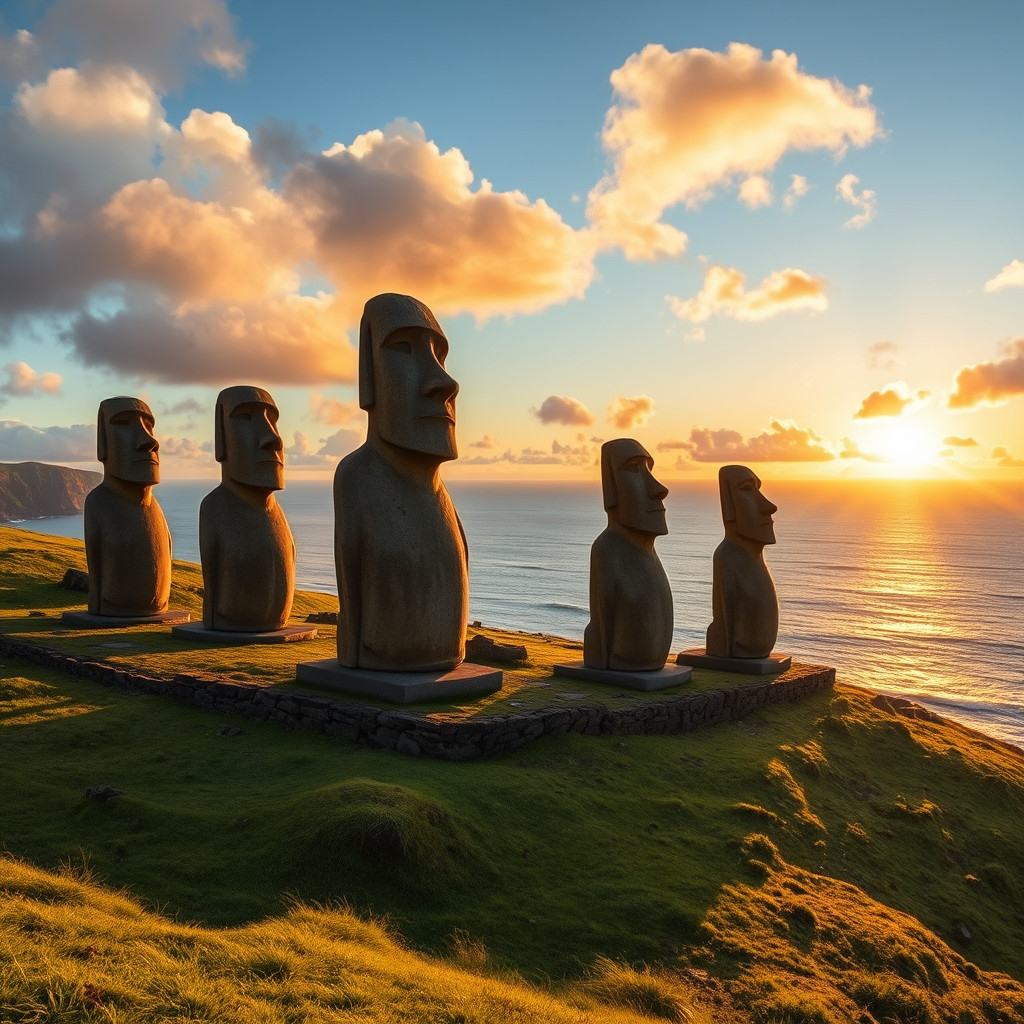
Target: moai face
pixel 409 395
pixel 746 511
pixel 125 443
pixel 632 495
pixel 247 443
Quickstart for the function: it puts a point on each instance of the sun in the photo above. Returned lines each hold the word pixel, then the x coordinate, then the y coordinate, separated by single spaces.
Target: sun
pixel 907 447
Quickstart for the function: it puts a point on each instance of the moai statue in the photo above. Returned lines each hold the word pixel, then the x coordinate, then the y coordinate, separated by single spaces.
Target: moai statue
pixel 629 634
pixel 399 548
pixel 127 544
pixel 745 607
pixel 245 545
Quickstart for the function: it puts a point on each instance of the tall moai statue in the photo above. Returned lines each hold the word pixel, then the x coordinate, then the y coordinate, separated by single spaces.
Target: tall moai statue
pixel 745 607
pixel 629 634
pixel 399 547
pixel 245 545
pixel 127 543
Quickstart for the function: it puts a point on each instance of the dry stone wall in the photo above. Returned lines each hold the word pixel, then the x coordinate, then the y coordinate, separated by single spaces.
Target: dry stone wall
pixel 410 733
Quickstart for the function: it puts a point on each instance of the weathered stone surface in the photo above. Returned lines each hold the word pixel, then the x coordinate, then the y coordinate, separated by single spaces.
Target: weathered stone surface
pixel 75 579
pixel 483 647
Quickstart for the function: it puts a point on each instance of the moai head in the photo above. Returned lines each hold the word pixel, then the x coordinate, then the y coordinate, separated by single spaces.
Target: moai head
pixel 125 443
pixel 747 513
pixel 632 496
pixel 246 441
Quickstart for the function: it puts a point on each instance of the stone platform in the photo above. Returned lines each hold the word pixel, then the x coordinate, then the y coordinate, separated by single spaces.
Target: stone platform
pixel 658 679
pixel 465 680
pixel 697 657
pixel 86 620
pixel 197 633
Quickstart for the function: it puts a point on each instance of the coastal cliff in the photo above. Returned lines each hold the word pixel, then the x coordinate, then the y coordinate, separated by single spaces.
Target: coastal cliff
pixel 33 490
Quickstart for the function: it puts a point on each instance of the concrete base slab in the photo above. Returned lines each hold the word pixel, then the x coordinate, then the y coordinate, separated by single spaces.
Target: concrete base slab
pixel 464 680
pixel 699 658
pixel 197 633
pixel 86 620
pixel 657 679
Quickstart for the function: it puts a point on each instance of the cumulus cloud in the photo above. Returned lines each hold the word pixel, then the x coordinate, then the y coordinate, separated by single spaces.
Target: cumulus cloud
pixel 624 413
pixel 486 442
pixel 1004 458
pixel 684 124
pixel 333 412
pixel 756 191
pixel 959 442
pixel 1011 276
pixel 392 212
pixel 22 381
pixel 562 409
pixel 863 200
pixel 892 400
pixel 798 188
pixel 186 407
pixel 21 442
pixel 724 294
pixel 883 355
pixel 990 383
pixel 851 450
pixel 324 454
pixel 783 441
pixel 186 449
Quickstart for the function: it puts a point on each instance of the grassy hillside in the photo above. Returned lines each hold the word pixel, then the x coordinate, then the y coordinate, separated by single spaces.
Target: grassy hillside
pixel 826 861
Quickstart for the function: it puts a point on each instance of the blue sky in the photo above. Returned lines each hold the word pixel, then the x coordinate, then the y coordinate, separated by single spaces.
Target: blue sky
pixel 848 298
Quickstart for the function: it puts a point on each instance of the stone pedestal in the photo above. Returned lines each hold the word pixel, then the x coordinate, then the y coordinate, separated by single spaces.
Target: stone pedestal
pixel 465 680
pixel 86 620
pixel 699 658
pixel 197 633
pixel 658 679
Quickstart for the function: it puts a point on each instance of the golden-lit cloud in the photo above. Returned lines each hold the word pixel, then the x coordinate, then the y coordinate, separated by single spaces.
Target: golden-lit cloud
pixel 486 442
pixel 1005 459
pixel 960 442
pixel 187 449
pixel 324 454
pixel 1011 276
pixel 558 455
pixel 851 450
pixel 686 123
pixel 562 409
pixel 755 191
pixel 22 381
pixel 798 188
pixel 334 412
pixel 783 441
pixel 391 212
pixel 992 382
pixel 724 294
pixel 864 200
pixel 624 413
pixel 883 355
pixel 892 400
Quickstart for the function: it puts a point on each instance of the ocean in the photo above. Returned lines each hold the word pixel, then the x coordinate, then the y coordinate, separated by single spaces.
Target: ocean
pixel 908 587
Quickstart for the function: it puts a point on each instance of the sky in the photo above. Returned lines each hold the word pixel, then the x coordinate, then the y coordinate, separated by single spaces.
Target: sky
pixel 788 235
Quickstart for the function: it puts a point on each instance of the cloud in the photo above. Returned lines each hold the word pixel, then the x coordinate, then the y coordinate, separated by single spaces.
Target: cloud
pixel 559 455
pixel 562 409
pixel 756 191
pixel 186 407
pixel 1011 276
pixel 333 412
pixel 851 450
pixel 863 200
pixel 391 212
pixel 20 442
pixel 22 381
pixel 893 400
pixel 798 188
pixel 624 413
pixel 883 355
pixel 724 294
pixel 960 442
pixel 783 441
pixel 327 453
pixel 187 449
pixel 1004 458
pixel 684 124
pixel 485 442
pixel 990 383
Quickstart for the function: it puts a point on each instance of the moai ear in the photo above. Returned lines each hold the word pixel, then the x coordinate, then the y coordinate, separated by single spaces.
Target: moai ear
pixel 367 396
pixel 220 448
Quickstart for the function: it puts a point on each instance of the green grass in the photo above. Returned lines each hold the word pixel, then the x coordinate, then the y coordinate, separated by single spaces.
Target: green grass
pixel 810 861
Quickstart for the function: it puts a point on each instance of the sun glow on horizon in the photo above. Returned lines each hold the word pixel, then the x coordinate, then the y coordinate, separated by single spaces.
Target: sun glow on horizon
pixel 907 448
